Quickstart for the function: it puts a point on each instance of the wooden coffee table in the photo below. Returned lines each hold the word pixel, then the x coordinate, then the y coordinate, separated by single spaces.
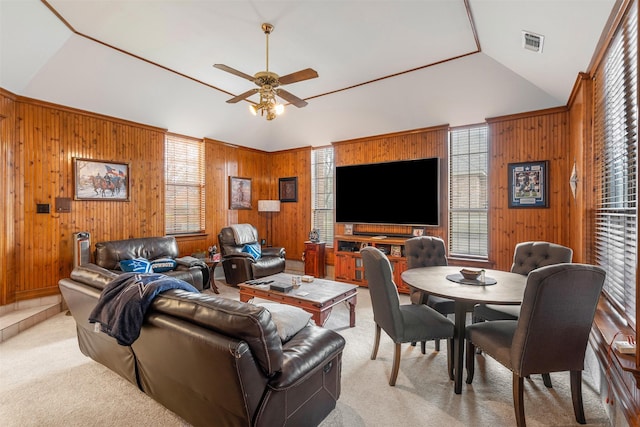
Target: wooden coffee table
pixel 317 297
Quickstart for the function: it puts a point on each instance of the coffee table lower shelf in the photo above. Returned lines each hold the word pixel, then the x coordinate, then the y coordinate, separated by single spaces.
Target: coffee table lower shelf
pixel 321 296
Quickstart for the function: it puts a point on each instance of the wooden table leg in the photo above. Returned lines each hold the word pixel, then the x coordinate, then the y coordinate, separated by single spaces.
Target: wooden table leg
pixel 461 308
pixel 351 302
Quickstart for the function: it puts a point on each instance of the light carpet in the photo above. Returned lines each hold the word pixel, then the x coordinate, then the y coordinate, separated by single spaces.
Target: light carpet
pixel 46 381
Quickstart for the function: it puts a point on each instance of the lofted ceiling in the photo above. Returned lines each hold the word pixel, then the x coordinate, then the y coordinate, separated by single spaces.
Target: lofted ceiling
pixel 384 66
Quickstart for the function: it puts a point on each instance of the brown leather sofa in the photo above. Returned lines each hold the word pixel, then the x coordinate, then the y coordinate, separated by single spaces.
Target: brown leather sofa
pixel 240 266
pixel 109 254
pixel 215 361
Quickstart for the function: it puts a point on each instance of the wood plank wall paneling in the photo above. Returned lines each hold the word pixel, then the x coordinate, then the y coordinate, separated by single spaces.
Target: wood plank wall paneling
pixel 534 136
pixel 49 138
pixel 580 238
pixel 415 144
pixel 292 224
pixel 7 195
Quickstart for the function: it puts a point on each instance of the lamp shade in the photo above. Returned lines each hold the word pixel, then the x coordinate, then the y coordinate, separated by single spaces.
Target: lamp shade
pixel 268 205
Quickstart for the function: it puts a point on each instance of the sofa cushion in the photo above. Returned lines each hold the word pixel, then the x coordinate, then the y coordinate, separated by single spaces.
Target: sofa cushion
pixel 240 320
pixel 109 254
pixel 253 249
pixel 162 265
pixel 137 265
pixel 289 320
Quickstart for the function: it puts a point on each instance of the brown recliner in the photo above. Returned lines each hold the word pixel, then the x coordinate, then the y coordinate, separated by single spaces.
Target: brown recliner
pixel 240 266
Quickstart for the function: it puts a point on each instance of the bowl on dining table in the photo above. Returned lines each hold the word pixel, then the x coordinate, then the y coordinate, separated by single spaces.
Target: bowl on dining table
pixel 470 274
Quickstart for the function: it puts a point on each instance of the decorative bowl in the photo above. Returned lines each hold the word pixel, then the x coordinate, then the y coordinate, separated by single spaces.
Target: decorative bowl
pixel 470 274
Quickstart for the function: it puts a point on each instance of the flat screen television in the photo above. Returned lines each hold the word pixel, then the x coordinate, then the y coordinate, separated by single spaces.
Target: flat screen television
pixel 403 192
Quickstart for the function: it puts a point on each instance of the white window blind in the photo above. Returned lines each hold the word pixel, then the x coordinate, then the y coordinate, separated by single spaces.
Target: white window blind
pixel 616 162
pixel 184 185
pixel 322 192
pixel 468 199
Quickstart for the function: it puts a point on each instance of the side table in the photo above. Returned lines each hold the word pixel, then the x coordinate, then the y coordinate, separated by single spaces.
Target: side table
pixel 314 259
pixel 212 263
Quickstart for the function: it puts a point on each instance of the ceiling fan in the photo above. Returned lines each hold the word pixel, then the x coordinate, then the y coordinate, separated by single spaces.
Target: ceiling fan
pixel 269 86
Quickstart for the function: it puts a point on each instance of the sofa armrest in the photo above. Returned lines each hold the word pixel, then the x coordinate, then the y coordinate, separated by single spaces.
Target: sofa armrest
pixel 273 251
pixel 305 353
pixel 244 255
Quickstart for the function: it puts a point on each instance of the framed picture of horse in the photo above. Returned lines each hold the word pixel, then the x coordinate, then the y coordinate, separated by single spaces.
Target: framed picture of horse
pixel 98 180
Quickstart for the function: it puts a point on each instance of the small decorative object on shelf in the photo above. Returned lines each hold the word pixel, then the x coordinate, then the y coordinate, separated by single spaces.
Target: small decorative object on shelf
pixel 417 231
pixel 212 250
pixel 314 235
pixel 348 229
pixel 396 250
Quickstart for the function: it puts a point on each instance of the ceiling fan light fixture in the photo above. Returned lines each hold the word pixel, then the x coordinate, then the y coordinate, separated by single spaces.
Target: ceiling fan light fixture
pixel 279 109
pixel 253 109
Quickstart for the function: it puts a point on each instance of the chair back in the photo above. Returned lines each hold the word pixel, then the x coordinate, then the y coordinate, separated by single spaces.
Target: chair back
pixel 385 300
pixel 556 315
pixel 528 256
pixel 425 251
pixel 232 239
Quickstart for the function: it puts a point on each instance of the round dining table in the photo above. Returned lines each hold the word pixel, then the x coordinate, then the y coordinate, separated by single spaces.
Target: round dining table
pixel 499 287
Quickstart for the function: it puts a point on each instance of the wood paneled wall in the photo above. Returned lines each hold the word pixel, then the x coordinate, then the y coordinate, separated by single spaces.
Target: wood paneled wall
pixel 534 136
pixel 7 195
pixel 39 142
pixel 415 144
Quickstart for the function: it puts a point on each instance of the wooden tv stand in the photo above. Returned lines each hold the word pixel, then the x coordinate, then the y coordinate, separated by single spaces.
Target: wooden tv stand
pixel 348 261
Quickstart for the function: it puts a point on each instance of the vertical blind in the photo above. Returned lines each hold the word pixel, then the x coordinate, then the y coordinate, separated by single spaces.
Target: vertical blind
pixel 616 165
pixel 322 192
pixel 184 185
pixel 468 201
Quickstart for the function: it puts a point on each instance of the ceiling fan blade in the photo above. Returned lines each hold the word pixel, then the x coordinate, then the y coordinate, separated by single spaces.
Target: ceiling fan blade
pixel 242 96
pixel 234 71
pixel 298 76
pixel 291 98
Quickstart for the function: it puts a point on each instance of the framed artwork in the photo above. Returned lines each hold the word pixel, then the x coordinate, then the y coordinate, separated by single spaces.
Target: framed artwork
pixel 529 185
pixel 99 180
pixel 417 231
pixel 239 193
pixel 288 189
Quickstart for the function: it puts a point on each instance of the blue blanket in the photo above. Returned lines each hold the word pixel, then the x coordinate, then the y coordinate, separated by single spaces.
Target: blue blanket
pixel 124 301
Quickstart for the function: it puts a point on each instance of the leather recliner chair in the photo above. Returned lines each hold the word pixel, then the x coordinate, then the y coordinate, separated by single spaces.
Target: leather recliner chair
pixel 240 266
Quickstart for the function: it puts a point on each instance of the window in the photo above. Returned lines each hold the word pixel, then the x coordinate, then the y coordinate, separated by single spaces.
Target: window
pixel 468 203
pixel 322 193
pixel 184 185
pixel 615 153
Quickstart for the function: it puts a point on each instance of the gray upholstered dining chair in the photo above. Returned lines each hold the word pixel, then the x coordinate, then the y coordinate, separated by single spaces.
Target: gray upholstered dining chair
pixel 402 322
pixel 557 313
pixel 527 256
pixel 427 251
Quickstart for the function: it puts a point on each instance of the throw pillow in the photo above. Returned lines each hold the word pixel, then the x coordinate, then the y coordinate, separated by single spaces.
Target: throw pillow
pixel 289 320
pixel 253 249
pixel 137 265
pixel 161 265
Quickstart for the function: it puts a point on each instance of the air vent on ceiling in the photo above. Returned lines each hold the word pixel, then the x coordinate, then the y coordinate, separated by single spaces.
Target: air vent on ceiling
pixel 532 41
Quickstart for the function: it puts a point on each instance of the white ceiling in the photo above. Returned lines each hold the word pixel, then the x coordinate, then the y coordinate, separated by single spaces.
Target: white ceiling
pixel 150 61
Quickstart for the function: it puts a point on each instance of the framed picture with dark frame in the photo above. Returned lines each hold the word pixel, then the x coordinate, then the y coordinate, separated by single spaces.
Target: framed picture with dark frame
pixel 417 231
pixel 529 184
pixel 239 193
pixel 100 180
pixel 288 189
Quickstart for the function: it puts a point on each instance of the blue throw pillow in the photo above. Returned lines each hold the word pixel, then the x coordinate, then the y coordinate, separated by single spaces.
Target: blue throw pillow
pixel 138 265
pixel 253 249
pixel 161 265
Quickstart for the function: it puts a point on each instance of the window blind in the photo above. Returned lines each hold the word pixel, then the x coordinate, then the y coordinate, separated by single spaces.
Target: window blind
pixel 468 199
pixel 616 163
pixel 184 185
pixel 322 167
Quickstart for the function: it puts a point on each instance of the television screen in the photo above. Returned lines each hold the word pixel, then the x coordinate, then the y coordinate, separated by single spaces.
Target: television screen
pixel 402 192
